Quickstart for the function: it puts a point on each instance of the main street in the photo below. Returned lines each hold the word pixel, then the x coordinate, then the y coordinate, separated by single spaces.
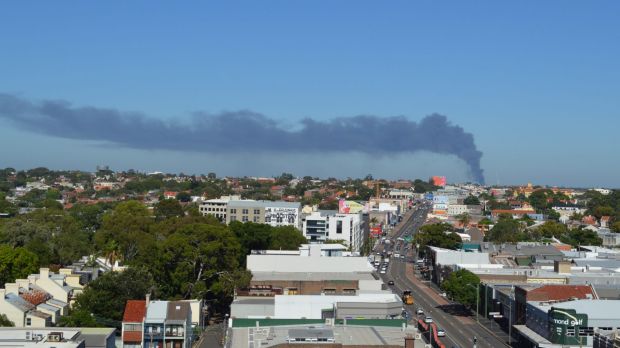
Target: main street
pixel 460 329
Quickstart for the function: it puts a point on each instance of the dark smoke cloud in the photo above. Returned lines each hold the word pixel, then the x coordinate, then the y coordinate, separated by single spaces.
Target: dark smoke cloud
pixel 245 130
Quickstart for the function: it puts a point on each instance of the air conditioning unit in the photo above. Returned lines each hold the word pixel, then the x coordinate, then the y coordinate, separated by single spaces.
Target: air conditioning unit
pixel 418 336
pixel 54 337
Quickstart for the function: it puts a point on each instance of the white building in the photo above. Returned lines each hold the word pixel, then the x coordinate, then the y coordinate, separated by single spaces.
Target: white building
pixel 321 226
pixel 217 207
pixel 57 337
pixel 457 209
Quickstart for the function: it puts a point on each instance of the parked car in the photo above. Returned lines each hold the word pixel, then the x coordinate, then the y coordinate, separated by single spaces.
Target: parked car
pixel 419 311
pixel 383 271
pixel 441 332
pixel 428 320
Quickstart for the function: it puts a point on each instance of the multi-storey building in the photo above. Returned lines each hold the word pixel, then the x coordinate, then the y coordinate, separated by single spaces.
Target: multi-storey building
pixel 155 324
pixel 276 213
pixel 324 225
pixel 217 207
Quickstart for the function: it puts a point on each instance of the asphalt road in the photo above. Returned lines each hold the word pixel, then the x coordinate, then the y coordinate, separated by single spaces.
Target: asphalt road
pixel 459 326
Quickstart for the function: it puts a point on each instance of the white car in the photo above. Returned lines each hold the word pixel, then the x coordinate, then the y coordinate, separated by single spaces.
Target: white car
pixel 420 311
pixel 428 320
pixel 396 255
pixel 383 271
pixel 441 332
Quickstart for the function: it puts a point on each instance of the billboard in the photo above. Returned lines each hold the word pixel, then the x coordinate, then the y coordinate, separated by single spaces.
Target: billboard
pixel 376 231
pixel 350 207
pixel 567 327
pixel 440 181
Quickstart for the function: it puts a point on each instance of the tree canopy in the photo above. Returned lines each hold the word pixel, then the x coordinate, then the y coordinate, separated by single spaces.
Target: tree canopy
pixel 462 286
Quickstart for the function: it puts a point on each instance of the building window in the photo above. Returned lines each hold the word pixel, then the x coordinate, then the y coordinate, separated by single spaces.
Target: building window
pixel 233 211
pixel 348 291
pixel 244 211
pixel 133 327
pixel 339 227
pixel 256 211
pixel 329 291
pixel 255 219
pixel 233 218
pixel 244 218
pixel 28 321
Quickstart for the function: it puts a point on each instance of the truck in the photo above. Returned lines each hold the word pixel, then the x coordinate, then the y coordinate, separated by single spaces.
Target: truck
pixel 407 297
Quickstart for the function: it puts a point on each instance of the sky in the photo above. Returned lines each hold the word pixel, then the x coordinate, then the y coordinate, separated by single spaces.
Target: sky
pixel 529 89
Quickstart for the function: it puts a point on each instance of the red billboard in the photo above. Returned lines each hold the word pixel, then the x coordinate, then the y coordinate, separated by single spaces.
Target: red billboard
pixel 376 231
pixel 439 181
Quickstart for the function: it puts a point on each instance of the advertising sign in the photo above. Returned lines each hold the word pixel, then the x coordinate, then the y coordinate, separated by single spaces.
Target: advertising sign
pixel 439 181
pixel 564 325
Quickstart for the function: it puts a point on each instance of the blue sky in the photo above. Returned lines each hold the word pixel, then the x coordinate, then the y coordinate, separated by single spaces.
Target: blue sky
pixel 536 83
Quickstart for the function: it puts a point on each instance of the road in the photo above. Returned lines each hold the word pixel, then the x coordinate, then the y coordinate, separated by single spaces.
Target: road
pixel 460 328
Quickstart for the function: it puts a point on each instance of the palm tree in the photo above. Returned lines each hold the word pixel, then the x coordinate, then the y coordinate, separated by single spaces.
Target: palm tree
pixel 112 253
pixel 464 219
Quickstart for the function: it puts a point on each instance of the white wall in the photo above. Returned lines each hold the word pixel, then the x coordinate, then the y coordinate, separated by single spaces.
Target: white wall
pixel 307 264
pixel 310 306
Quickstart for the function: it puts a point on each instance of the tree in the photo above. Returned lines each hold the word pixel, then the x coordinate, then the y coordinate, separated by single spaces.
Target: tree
pixel 506 231
pixel 437 235
pixel 5 322
pixel 552 229
pixel 198 260
pixel 471 200
pixel 16 263
pixel 168 208
pixel 581 236
pixel 464 219
pixel 462 286
pixel 539 200
pixel 105 297
pixel 286 238
pixel 603 211
pixel 184 196
pixel 128 224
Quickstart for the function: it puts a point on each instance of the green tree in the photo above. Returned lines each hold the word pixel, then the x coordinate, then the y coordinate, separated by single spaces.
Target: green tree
pixel 539 200
pixel 128 224
pixel 252 236
pixel 437 235
pixel 616 227
pixel 506 231
pixel 5 322
pixel 78 318
pixel 286 238
pixel 462 286
pixel 552 229
pixel 471 200
pixel 16 263
pixel 603 211
pixel 581 236
pixel 184 197
pixel 105 297
pixel 168 208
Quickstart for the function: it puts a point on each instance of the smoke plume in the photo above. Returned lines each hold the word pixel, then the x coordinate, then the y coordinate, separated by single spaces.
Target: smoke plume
pixel 230 132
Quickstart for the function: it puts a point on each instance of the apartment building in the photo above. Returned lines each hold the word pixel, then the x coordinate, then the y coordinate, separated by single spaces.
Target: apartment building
pixel 217 207
pixel 276 213
pixel 323 225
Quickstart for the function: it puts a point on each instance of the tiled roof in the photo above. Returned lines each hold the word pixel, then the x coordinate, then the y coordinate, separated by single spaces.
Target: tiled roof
pixel 135 310
pixel 36 297
pixel 132 336
pixel 559 292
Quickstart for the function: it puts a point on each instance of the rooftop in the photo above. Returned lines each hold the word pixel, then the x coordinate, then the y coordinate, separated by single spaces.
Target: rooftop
pixel 135 311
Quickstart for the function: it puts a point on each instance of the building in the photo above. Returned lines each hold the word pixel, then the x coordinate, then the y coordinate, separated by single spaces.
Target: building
pixel 217 207
pixel 276 213
pixel 57 337
pixel 457 209
pixel 153 324
pixel 311 273
pixel 324 225
pixel 570 323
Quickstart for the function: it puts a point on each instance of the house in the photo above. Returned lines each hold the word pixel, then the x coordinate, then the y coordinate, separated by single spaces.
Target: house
pixel 170 195
pixel 605 221
pixel 133 319
pixel 21 312
pixel 151 323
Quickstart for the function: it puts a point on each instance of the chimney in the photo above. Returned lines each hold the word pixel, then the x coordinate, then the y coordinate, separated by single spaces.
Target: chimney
pixel 148 299
pixel 44 273
pixel 23 283
pixel 11 288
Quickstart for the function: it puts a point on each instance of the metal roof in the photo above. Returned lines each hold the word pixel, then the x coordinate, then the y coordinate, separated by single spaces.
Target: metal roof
pixel 156 312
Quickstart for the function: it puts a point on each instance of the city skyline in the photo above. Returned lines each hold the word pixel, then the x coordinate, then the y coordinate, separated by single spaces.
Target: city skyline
pixel 535 84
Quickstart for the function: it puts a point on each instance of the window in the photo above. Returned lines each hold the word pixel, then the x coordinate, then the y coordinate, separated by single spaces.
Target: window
pixel 244 218
pixel 244 211
pixel 329 291
pixel 233 218
pixel 256 218
pixel 256 211
pixel 28 321
pixel 348 291
pixel 133 327
pixel 339 227
pixel 233 211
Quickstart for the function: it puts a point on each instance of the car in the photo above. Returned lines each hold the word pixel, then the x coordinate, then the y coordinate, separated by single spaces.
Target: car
pixel 396 255
pixel 419 311
pixel 383 271
pixel 441 332
pixel 428 320
pixel 391 282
